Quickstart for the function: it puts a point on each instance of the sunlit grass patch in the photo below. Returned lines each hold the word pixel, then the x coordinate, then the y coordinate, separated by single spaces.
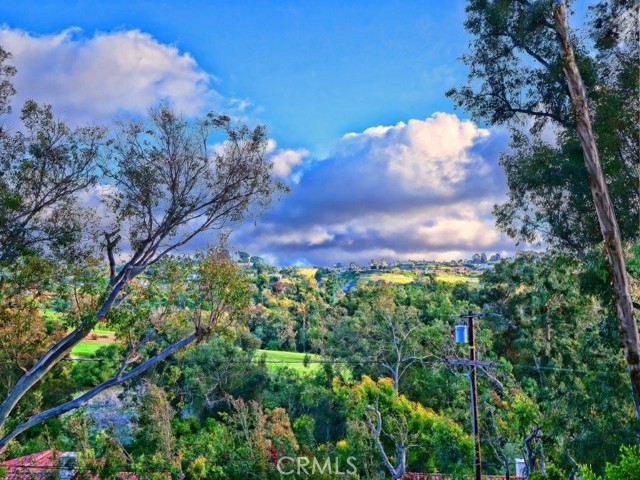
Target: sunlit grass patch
pixel 456 278
pixel 295 360
pixel 87 348
pixel 307 272
pixel 389 277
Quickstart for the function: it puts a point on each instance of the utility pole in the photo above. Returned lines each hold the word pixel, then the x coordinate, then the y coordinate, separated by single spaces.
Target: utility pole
pixel 468 335
pixel 473 380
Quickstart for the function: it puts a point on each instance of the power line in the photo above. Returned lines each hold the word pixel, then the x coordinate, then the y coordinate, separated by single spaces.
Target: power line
pixel 363 361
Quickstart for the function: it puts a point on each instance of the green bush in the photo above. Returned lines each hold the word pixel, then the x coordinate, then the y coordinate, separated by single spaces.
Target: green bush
pixel 627 468
pixel 89 373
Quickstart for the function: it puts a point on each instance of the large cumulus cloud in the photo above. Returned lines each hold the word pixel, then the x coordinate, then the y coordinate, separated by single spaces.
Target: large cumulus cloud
pixel 420 189
pixel 94 79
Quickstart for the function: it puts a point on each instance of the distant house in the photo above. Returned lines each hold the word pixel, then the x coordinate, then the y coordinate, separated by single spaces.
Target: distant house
pixel 39 465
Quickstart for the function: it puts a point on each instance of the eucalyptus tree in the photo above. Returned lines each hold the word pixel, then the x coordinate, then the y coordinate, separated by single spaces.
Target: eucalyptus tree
pixel 407 435
pixel 384 336
pixel 527 70
pixel 561 348
pixel 7 90
pixel 162 184
pixel 44 166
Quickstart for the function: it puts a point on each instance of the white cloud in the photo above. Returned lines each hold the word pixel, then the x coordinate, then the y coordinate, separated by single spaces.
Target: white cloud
pixel 431 153
pixel 93 79
pixel 285 160
pixel 316 235
pixel 240 104
pixel 420 189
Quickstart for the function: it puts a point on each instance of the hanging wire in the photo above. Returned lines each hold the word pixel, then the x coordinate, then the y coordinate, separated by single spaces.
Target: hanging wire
pixel 257 361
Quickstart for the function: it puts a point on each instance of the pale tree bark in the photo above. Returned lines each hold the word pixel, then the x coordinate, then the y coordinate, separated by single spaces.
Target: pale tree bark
pixel 604 208
pixel 201 192
pixel 397 471
pixel 56 353
pixel 117 379
pixel 203 324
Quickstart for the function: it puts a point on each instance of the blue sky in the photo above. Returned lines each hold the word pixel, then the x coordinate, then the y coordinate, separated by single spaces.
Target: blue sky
pixel 312 70
pixel 352 93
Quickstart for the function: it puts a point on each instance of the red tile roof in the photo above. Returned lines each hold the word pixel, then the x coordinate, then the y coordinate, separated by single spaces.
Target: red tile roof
pixel 42 465
pixel 36 465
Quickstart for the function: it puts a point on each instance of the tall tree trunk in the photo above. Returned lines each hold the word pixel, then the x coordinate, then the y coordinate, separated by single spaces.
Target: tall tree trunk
pixel 54 355
pixel 77 402
pixel 604 208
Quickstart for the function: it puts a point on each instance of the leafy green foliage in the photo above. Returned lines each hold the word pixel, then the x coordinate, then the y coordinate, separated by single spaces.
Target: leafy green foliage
pixel 627 468
pixel 197 409
pixel 44 168
pixel 433 442
pixel 516 79
pixel 561 345
pixel 92 371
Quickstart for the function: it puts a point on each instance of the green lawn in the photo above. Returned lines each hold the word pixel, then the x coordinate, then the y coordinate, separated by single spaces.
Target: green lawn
pixel 389 277
pixel 294 360
pixel 456 278
pixel 307 272
pixel 87 349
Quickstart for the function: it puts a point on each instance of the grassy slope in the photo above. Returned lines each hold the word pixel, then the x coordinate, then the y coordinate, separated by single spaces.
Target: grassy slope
pixel 294 360
pixel 307 272
pixel 407 277
pixel 456 278
pixel 389 277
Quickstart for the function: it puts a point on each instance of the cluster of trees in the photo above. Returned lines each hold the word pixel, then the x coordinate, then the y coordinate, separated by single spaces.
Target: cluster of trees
pixel 196 402
pixel 382 393
pixel 159 188
pixel 581 191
